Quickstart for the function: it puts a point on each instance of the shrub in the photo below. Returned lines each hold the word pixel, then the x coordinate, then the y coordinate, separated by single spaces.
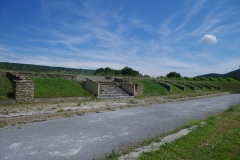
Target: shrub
pixel 221 79
pixel 212 79
pixel 231 80
pixel 196 79
pixel 204 79
pixel 173 74
pixel 188 79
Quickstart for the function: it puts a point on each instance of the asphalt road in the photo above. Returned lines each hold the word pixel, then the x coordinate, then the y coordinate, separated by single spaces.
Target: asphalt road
pixel 92 136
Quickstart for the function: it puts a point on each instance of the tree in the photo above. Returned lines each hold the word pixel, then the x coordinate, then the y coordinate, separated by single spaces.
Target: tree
pixel 173 74
pixel 127 71
pixel 99 71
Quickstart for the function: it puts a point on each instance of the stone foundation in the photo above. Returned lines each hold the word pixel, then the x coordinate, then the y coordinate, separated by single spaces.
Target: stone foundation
pixel 23 87
pixel 138 88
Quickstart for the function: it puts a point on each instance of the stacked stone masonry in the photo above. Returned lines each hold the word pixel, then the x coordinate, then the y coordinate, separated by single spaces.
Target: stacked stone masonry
pixel 23 87
pixel 138 87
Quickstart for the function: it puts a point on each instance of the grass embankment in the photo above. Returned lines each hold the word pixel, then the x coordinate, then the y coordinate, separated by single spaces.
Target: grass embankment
pixel 227 86
pixel 53 87
pixel 218 139
pixel 6 89
pixel 152 88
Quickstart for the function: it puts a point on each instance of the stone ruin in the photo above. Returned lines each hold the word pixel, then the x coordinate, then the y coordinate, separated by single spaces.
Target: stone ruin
pixel 23 87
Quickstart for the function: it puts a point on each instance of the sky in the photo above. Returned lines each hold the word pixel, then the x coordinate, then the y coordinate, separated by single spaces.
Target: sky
pixel 153 37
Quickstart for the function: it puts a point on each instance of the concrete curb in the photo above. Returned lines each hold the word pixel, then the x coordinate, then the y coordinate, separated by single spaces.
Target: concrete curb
pixel 58 115
pixel 4 102
pixel 60 99
pixel 39 100
pixel 43 117
pixel 155 145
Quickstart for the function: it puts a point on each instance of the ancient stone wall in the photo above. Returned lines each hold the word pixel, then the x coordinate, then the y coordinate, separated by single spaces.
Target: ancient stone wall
pixel 49 75
pixel 23 87
pixel 168 87
pixel 138 87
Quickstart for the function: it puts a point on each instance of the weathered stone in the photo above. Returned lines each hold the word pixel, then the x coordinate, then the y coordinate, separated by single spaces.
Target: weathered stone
pixel 23 87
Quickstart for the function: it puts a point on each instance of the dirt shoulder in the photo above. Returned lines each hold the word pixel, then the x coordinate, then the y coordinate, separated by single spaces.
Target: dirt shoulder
pixel 33 112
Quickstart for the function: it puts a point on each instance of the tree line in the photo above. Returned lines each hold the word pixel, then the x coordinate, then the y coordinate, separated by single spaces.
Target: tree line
pixel 43 69
pixel 126 71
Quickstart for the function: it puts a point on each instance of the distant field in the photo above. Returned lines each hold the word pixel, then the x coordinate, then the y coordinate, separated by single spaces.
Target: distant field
pixel 53 87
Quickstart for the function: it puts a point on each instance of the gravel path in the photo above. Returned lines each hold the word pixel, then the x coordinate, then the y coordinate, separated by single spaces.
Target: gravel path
pixel 92 136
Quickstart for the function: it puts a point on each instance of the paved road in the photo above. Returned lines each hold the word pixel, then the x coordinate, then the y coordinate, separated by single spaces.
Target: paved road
pixel 91 136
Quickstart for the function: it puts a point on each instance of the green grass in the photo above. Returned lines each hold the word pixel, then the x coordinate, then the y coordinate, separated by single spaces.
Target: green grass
pixel 218 139
pixel 175 89
pixel 53 87
pixel 227 86
pixel 152 88
pixel 6 89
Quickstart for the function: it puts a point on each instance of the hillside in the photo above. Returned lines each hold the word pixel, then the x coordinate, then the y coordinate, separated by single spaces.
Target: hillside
pixel 216 75
pixel 45 69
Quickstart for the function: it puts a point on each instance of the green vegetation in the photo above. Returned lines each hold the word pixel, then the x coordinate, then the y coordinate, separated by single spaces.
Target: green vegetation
pixel 53 87
pixel 219 138
pixel 173 74
pixel 6 89
pixel 152 88
pixel 126 71
pixel 232 86
pixel 233 74
pixel 60 109
pixel 44 69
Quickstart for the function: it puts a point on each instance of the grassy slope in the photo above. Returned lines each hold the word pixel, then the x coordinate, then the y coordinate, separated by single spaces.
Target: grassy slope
pixel 47 87
pixel 52 87
pixel 152 88
pixel 218 139
pixel 227 86
pixel 6 89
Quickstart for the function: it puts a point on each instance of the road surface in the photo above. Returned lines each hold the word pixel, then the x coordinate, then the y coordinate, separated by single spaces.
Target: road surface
pixel 92 136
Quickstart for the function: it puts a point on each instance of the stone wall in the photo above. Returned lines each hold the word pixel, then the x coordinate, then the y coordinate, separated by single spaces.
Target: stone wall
pixel 49 75
pixel 23 87
pixel 92 86
pixel 79 78
pixel 168 87
pixel 138 88
pixel 175 84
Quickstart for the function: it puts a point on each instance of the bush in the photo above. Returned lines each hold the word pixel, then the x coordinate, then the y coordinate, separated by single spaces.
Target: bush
pixel 188 79
pixel 213 79
pixel 204 79
pixel 231 80
pixel 221 79
pixel 196 79
pixel 173 74
pixel 180 78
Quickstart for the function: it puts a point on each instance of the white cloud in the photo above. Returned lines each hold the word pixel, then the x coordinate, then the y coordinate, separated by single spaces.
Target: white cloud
pixel 209 38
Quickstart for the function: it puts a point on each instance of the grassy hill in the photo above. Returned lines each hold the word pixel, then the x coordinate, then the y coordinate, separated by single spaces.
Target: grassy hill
pixel 216 75
pixel 44 69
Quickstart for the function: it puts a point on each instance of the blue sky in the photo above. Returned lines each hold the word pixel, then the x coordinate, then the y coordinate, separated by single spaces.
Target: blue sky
pixel 154 37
